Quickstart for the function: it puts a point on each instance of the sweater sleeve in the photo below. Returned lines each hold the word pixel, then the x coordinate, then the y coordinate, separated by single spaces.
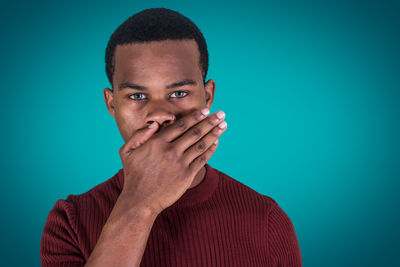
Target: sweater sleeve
pixel 59 243
pixel 283 246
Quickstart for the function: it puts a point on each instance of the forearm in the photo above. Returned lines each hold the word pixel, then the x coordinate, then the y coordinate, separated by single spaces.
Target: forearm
pixel 124 236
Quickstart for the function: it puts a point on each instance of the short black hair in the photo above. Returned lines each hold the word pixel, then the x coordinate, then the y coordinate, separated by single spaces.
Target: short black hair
pixel 155 24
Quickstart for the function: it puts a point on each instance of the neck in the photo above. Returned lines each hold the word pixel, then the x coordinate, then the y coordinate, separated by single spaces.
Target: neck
pixel 199 177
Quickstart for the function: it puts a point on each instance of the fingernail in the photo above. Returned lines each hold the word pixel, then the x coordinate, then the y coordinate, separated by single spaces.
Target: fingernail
pixel 222 125
pixel 220 115
pixel 205 111
pixel 153 125
pixel 216 142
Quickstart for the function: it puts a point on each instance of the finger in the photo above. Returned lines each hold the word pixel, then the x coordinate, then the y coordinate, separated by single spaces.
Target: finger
pixel 201 160
pixel 198 131
pixel 204 143
pixel 139 138
pixel 182 125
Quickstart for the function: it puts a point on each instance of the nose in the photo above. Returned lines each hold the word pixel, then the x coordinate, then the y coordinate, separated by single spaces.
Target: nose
pixel 161 116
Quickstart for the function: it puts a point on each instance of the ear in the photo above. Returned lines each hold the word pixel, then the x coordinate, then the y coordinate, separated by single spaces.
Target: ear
pixel 209 88
pixel 108 95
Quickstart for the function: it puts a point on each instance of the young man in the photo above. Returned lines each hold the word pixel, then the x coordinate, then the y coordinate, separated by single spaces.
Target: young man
pixel 166 206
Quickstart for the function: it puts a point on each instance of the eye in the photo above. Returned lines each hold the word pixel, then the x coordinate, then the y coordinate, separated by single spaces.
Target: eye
pixel 137 96
pixel 179 94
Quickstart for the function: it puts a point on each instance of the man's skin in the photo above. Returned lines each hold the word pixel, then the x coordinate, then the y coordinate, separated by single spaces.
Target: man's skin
pixel 162 162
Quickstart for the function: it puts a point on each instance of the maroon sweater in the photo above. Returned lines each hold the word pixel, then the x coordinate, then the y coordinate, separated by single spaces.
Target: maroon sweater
pixel 220 222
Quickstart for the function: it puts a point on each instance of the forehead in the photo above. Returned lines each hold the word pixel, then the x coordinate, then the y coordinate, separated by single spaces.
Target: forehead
pixel 169 59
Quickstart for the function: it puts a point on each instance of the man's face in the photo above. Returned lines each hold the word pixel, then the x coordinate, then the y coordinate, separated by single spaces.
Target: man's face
pixel 157 81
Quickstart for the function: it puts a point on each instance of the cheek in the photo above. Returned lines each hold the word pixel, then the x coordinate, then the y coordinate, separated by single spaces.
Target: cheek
pixel 126 116
pixel 123 109
pixel 127 121
pixel 200 97
pixel 195 100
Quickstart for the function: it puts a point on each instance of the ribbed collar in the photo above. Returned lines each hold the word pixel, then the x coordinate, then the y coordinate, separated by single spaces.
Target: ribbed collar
pixel 194 195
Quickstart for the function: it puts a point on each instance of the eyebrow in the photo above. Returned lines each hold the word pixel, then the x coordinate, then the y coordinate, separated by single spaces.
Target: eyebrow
pixel 130 85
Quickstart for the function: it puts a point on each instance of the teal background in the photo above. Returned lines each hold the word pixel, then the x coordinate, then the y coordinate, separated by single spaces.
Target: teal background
pixel 311 93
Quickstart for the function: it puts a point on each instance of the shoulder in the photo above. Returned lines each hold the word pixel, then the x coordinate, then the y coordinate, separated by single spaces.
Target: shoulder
pixel 74 223
pixel 239 192
pixel 101 196
pixel 76 209
pixel 283 246
pixel 236 192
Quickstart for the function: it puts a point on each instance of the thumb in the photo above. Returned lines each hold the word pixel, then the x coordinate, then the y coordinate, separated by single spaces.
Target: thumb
pixel 141 136
pixel 146 133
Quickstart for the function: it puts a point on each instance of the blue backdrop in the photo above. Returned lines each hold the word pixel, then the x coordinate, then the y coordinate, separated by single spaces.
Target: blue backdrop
pixel 311 93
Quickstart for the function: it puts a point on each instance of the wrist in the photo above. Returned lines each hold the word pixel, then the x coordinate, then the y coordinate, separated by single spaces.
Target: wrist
pixel 136 208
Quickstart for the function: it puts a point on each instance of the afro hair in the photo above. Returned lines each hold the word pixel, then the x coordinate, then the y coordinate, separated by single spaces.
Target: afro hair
pixel 155 24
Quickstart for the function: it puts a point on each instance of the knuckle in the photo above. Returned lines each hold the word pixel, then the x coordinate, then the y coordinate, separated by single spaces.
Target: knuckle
pixel 211 121
pixel 201 147
pixel 215 133
pixel 181 124
pixel 171 154
pixel 136 144
pixel 202 159
pixel 196 132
